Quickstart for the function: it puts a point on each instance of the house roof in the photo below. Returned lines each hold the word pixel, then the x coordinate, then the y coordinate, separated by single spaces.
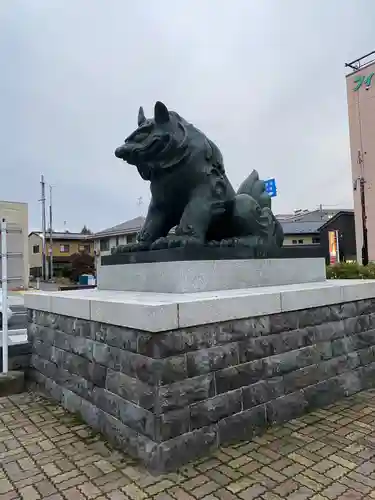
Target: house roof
pixel 129 226
pixel 311 222
pixel 297 227
pixel 317 215
pixel 63 235
pixel 336 216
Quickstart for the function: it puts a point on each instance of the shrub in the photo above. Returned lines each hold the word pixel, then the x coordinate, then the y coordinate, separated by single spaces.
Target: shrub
pixel 82 263
pixel 351 270
pixel 65 272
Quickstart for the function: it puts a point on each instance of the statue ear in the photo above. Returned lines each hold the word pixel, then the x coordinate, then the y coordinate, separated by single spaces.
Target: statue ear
pixel 141 117
pixel 161 113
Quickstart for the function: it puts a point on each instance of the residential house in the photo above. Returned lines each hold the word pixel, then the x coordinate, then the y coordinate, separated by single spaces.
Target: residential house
pixel 64 245
pixel 122 234
pixel 310 228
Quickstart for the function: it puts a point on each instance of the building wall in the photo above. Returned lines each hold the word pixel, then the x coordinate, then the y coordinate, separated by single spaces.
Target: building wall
pixel 35 251
pixel 16 215
pixel 300 239
pixel 344 224
pixel 103 246
pixel 361 109
pixel 61 248
pixel 65 248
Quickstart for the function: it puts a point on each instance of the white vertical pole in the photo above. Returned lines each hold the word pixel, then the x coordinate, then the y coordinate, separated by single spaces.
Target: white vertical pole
pixel 50 236
pixel 337 246
pixel 4 286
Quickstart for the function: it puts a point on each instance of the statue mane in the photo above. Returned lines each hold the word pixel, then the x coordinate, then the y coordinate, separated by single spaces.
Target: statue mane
pixel 195 140
pixel 165 142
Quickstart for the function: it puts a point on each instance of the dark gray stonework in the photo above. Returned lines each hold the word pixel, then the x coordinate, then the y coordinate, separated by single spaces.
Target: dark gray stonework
pixel 168 397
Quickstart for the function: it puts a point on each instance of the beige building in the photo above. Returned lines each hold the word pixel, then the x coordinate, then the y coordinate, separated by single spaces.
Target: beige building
pixel 16 216
pixel 64 245
pixel 361 106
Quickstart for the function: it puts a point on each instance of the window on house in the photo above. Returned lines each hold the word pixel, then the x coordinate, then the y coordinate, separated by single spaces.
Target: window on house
pixel 131 238
pixel 117 241
pixel 300 242
pixel 36 249
pixel 64 248
pixel 84 248
pixel 316 240
pixel 104 245
pixel 294 242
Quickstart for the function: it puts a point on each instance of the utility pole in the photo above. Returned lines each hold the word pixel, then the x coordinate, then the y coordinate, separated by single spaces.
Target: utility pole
pixel 4 286
pixel 362 183
pixel 43 200
pixel 50 235
pixel 364 222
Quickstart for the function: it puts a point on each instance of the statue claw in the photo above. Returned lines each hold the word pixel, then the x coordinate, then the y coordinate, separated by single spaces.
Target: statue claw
pixel 160 243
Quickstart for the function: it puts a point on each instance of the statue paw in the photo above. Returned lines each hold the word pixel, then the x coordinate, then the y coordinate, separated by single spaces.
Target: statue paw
pixel 160 243
pixel 140 246
pixel 176 242
pixel 230 242
pixel 213 243
pixel 184 241
pixel 249 241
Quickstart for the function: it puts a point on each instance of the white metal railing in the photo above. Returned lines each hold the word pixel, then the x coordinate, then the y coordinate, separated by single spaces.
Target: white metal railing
pixel 4 286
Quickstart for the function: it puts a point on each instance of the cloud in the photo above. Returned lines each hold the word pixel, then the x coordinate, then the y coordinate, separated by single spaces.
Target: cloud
pixel 264 80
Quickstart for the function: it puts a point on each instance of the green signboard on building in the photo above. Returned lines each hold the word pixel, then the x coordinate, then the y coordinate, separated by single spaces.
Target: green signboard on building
pixel 363 80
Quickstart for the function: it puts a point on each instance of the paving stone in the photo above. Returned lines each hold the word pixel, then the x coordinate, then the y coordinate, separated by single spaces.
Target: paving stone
pixel 301 494
pixel 45 450
pixel 287 488
pixel 45 488
pixel 5 486
pixel 117 495
pixel 29 493
pixel 205 489
pixel 355 485
pixel 179 494
pixel 133 492
pixel 334 491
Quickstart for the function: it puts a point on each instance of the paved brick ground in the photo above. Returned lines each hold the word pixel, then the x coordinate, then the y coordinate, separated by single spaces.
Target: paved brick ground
pixel 330 454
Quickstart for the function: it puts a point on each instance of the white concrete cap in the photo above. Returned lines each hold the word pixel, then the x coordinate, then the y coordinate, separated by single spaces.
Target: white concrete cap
pixel 156 312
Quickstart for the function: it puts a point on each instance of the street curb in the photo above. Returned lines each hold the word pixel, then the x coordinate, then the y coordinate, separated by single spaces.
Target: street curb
pixel 12 383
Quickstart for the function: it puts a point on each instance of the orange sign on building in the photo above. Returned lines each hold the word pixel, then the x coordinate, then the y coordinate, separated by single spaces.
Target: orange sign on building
pixel 333 242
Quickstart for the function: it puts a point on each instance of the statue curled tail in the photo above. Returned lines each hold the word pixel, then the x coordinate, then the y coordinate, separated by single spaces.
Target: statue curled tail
pixel 252 214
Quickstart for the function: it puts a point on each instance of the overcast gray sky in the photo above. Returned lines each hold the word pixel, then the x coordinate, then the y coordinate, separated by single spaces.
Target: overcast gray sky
pixel 264 79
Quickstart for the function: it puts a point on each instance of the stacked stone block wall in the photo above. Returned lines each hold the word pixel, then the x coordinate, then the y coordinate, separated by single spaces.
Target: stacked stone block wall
pixel 169 397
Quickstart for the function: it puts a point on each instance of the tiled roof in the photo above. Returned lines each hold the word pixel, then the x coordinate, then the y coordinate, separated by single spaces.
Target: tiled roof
pixel 296 227
pixel 129 226
pixel 63 235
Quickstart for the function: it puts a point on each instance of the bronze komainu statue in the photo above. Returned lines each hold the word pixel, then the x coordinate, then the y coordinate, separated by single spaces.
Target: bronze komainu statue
pixel 191 192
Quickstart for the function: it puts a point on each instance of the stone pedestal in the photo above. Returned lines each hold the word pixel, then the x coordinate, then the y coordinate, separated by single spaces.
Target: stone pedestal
pixel 168 377
pixel 207 275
